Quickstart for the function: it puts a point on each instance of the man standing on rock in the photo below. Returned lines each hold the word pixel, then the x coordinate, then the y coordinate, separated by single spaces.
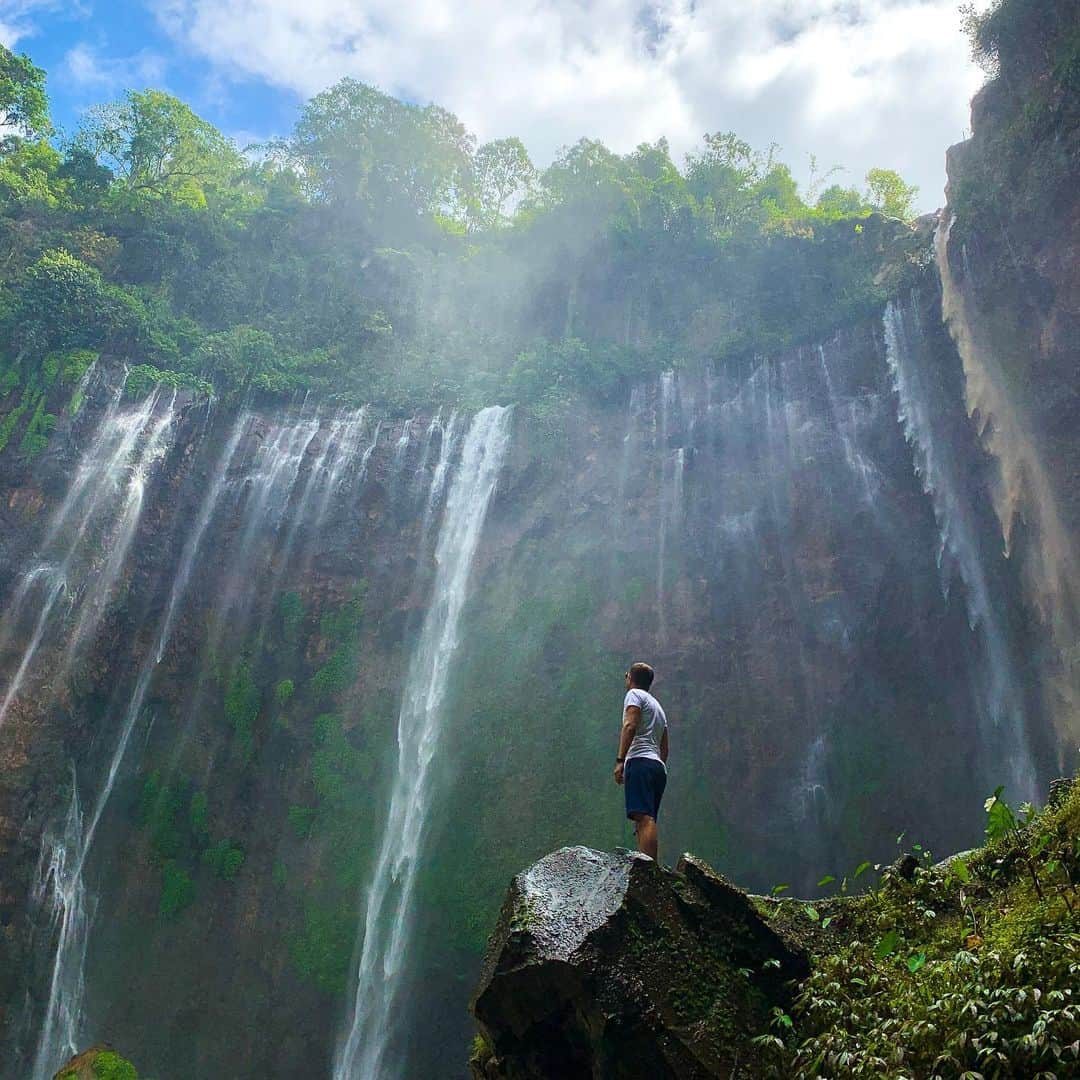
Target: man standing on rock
pixel 640 765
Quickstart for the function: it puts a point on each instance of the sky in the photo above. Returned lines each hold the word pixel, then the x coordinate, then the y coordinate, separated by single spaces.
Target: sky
pixel 856 83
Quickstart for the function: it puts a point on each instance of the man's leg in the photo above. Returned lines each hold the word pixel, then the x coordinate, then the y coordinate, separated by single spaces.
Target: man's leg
pixel 648 838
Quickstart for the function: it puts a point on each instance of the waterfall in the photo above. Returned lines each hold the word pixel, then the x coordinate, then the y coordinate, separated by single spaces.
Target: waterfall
pixel 99 516
pixel 846 427
pixel 60 876
pixel 1023 491
pixel 119 538
pixel 442 470
pixel 943 479
pixel 68 852
pixel 401 451
pixel 670 494
pixel 363 1047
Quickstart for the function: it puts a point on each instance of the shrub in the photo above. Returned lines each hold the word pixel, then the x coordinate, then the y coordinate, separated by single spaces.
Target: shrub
pixel 109 1065
pixel 283 692
pixel 225 858
pixel 177 890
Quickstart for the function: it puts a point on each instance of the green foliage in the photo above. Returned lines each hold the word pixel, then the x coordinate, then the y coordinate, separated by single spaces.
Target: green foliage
pixel 158 146
pixel 109 1065
pixel 966 970
pixel 142 378
pixel 302 820
pixel 336 765
pixel 338 673
pixel 24 105
pixel 283 692
pixel 378 255
pixel 36 436
pixel 501 171
pixel 242 705
pixel 11 421
pixel 322 952
pixel 158 812
pixel 225 858
pixel 887 192
pixel 342 624
pixel 177 889
pixel 396 162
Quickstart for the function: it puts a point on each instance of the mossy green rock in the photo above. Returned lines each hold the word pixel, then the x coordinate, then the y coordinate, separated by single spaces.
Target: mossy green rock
pixel 610 965
pixel 98 1063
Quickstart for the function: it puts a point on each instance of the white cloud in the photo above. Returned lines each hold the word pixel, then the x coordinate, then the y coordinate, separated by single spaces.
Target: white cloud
pixel 857 82
pixel 86 68
pixel 17 17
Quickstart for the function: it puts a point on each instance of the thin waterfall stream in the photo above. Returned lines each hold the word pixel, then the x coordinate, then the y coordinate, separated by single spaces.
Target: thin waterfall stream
pixel 378 979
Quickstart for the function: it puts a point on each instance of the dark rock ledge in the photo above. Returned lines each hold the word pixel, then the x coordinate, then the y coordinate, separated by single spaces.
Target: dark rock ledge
pixel 610 966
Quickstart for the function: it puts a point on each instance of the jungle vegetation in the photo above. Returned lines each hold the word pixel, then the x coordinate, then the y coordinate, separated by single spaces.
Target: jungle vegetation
pixel 378 254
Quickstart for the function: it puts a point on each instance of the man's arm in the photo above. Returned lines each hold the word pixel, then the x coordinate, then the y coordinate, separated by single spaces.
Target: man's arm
pixel 631 719
pixel 664 746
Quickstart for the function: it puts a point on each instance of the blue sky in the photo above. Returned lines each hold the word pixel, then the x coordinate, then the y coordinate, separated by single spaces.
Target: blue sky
pixel 858 83
pixel 95 50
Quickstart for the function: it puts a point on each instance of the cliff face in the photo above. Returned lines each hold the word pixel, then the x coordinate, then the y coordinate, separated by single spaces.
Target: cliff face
pixel 213 616
pixel 852 563
pixel 1009 259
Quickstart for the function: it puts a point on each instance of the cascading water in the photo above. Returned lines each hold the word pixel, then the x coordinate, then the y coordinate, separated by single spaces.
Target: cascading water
pixel 1005 725
pixel 68 852
pixel 368 1031
pixel 672 465
pixel 844 417
pixel 99 514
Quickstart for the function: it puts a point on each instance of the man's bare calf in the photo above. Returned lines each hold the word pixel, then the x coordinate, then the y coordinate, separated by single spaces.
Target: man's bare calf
pixel 648 837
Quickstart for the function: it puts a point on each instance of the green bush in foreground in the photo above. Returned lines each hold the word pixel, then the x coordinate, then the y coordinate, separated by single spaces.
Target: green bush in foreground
pixel 111 1066
pixel 968 970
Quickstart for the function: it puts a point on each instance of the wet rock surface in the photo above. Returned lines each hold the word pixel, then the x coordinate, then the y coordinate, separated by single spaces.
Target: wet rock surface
pixel 608 965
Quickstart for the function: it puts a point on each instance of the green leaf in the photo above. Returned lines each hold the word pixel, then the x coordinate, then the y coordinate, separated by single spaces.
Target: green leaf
pixel 828 879
pixel 825 922
pixel 860 869
pixel 887 945
pixel 778 889
pixel 960 871
pixel 916 961
pixel 811 912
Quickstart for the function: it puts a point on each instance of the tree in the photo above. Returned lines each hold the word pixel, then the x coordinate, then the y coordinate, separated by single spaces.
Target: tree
pixel 501 169
pixel 58 304
pixel 398 162
pixel 887 192
pixel 585 172
pixel 724 177
pixel 24 105
pixel 840 201
pixel 157 145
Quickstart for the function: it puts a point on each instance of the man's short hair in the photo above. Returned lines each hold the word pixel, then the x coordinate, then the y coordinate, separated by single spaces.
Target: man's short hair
pixel 642 675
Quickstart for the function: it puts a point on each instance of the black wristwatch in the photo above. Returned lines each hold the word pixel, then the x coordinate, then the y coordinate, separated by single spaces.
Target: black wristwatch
pixel 619 760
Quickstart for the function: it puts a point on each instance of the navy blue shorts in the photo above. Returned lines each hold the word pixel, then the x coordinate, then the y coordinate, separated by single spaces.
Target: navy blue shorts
pixel 644 780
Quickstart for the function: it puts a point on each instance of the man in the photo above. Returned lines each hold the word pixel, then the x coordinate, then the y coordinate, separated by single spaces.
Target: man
pixel 641 764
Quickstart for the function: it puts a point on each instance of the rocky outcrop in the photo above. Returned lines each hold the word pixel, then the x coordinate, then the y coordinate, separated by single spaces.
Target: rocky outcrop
pixel 609 965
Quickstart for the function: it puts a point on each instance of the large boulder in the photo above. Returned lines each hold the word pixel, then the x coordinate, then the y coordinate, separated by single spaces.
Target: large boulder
pixel 609 966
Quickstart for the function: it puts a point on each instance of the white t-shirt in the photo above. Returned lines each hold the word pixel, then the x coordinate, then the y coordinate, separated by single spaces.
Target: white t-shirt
pixel 651 726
